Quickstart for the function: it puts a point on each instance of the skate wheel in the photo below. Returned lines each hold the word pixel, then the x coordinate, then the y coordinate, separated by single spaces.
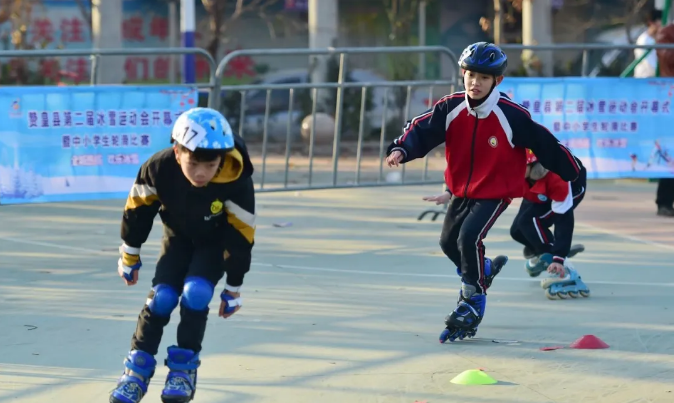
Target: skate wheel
pixel 448 335
pixel 563 295
pixel 573 294
pixel 550 295
pixel 585 293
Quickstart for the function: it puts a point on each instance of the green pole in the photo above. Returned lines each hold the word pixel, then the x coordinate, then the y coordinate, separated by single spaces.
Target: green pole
pixel 630 69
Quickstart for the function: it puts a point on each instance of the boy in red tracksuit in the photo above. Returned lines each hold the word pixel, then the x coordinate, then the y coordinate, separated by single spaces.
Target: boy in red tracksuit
pixel 549 201
pixel 486 136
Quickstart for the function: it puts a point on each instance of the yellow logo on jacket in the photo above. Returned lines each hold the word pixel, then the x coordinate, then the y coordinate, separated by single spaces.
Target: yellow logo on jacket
pixel 216 206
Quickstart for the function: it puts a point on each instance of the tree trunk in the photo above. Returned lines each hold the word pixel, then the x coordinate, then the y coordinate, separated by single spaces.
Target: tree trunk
pixel 498 21
pixel 216 12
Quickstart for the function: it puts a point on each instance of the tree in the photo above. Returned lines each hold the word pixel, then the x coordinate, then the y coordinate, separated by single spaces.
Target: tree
pixel 223 13
pixel 85 10
pixel 18 13
pixel 586 16
pixel 401 15
pixel 632 10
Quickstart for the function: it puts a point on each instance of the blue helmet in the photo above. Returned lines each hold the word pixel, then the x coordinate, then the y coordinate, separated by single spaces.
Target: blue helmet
pixel 203 128
pixel 484 58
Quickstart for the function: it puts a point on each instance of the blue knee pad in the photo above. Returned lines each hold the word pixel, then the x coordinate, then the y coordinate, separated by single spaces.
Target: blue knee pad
pixel 197 293
pixel 164 300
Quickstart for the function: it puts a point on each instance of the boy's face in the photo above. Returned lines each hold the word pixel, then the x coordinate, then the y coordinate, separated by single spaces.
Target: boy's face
pixel 653 27
pixel 478 85
pixel 198 173
pixel 535 171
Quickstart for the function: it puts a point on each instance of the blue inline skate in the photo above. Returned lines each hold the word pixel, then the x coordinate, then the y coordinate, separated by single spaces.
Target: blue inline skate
pixel 181 381
pixel 535 265
pixel 570 285
pixel 135 379
pixel 463 322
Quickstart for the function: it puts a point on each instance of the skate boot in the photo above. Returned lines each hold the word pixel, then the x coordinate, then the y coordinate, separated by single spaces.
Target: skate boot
pixel 575 249
pixel 133 383
pixel 538 264
pixel 491 268
pixel 463 322
pixel 468 314
pixel 181 381
pixel 570 285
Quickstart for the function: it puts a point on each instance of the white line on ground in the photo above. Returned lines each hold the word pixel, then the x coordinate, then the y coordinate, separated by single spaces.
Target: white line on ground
pixel 590 226
pixel 52 245
pixel 419 275
pixel 429 275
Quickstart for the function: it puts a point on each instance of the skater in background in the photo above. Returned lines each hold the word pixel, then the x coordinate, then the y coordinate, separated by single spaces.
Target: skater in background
pixel 203 191
pixel 647 67
pixel 664 199
pixel 549 200
pixel 485 136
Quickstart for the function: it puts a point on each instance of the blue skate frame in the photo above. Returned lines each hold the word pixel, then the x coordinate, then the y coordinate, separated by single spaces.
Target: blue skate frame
pixel 564 288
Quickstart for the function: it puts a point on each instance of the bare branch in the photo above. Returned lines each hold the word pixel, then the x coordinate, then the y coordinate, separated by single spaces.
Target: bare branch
pixel 83 10
pixel 270 24
pixel 631 14
pixel 5 11
pixel 254 5
pixel 220 23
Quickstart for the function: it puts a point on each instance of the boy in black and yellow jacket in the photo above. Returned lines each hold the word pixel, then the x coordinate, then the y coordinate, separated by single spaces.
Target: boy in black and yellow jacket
pixel 202 188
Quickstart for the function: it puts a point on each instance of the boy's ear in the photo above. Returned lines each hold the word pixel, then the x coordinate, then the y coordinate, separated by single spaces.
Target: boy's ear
pixel 499 79
pixel 176 153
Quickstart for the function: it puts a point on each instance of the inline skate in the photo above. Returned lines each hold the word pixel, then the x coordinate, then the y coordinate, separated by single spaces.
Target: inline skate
pixel 181 381
pixel 132 385
pixel 570 285
pixel 535 265
pixel 463 321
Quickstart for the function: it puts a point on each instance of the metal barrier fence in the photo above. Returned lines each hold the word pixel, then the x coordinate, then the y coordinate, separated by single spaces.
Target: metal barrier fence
pixel 320 173
pixel 94 54
pixel 585 48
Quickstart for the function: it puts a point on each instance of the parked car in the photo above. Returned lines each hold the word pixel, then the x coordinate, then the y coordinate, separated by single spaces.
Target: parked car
pixel 279 104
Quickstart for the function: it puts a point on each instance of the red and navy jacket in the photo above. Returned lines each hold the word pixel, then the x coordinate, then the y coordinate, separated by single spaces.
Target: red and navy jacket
pixel 485 145
pixel 558 198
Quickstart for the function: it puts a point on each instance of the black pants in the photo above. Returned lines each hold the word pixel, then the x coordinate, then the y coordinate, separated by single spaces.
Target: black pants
pixel 466 225
pixel 180 258
pixel 531 226
pixel 665 193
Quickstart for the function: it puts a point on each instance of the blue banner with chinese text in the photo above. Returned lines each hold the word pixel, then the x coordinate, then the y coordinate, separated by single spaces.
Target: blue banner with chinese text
pixel 82 143
pixel 618 127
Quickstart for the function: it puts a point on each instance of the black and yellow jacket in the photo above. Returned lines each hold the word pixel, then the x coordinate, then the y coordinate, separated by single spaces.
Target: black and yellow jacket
pixel 222 211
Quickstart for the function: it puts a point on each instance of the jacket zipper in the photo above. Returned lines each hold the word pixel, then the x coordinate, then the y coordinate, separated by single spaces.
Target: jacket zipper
pixel 472 155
